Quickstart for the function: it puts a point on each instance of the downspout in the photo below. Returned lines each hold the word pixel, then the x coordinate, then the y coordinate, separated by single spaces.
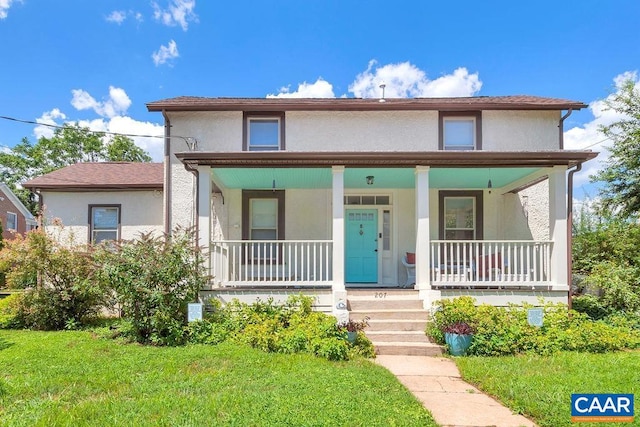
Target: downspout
pixel 570 230
pixel 561 127
pixel 167 174
pixel 196 220
pixel 40 221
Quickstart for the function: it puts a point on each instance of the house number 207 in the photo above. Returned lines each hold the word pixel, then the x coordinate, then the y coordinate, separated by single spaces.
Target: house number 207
pixel 380 295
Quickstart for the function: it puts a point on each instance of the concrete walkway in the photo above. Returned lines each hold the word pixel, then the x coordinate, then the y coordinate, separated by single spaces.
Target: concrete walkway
pixel 436 382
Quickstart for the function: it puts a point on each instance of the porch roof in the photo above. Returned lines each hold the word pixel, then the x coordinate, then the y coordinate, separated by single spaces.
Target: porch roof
pixel 387 159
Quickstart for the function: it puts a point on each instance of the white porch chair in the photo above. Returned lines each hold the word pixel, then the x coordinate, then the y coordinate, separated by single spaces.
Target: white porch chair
pixel 411 272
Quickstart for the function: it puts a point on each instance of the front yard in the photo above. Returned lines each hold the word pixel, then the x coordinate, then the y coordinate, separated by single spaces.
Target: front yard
pixel 72 378
pixel 541 387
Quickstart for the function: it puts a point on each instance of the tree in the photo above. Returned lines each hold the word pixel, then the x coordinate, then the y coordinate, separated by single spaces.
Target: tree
pixel 620 193
pixel 68 145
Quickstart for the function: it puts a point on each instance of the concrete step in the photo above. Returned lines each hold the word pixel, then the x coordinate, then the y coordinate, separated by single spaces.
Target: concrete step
pixel 408 349
pixel 396 325
pixel 395 314
pixel 395 336
pixel 384 304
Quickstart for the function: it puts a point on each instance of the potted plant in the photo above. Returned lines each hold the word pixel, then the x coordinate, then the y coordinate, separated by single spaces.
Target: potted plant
pixel 458 337
pixel 353 326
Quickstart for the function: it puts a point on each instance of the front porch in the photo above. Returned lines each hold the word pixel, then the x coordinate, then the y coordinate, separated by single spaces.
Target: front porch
pixel 350 218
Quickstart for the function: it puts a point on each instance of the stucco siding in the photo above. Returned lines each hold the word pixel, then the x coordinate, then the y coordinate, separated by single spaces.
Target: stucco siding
pixel 520 130
pixel 141 212
pixel 362 131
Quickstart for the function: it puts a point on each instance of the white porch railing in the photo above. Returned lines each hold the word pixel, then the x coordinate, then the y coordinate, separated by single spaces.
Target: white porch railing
pixel 500 262
pixel 271 262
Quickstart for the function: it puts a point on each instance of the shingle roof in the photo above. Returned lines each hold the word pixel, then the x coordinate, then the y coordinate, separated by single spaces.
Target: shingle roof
pixel 515 102
pixel 106 175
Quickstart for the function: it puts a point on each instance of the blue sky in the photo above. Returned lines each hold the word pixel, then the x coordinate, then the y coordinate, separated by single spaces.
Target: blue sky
pixel 99 62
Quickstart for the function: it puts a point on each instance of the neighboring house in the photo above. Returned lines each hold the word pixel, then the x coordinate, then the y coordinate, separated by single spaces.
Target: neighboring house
pixel 325 195
pixel 92 202
pixel 14 216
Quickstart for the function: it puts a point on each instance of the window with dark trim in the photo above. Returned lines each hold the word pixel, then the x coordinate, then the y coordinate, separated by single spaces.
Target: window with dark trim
pixel 263 219
pixel 460 130
pixel 104 223
pixel 461 215
pixel 263 131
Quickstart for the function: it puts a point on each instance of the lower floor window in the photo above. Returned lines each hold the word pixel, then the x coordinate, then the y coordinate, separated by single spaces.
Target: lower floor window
pixel 104 223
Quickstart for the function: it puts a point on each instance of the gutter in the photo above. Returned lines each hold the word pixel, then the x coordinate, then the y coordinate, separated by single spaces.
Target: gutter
pixel 570 231
pixel 561 127
pixel 167 174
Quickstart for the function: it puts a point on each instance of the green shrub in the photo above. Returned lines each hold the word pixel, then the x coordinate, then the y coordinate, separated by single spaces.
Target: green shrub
pixel 292 327
pixel 619 283
pixel 506 331
pixel 9 307
pixel 154 279
pixel 61 289
pixel 590 305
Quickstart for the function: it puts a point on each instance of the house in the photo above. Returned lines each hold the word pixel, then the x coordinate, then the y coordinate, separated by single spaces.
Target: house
pixel 14 216
pixel 92 202
pixel 324 196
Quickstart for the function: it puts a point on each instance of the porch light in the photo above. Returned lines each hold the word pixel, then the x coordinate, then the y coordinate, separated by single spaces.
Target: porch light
pixel 370 180
pixel 489 185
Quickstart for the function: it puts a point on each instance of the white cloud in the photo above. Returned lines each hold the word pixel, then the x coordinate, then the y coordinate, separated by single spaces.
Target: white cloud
pixel 320 89
pixel 117 17
pixel 117 103
pixel 405 80
pixel 165 53
pixel 588 135
pixel 48 118
pixel 178 12
pixel 4 7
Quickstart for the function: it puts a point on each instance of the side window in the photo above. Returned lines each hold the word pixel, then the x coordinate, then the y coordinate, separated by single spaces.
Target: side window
pixel 104 223
pixel 12 221
pixel 263 132
pixel 263 219
pixel 461 215
pixel 460 130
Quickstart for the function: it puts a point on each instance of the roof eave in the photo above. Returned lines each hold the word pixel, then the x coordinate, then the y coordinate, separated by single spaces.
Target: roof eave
pixel 355 105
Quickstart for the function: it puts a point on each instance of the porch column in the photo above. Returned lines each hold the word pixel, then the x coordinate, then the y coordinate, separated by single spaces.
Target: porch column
pixel 423 243
pixel 204 209
pixel 339 290
pixel 558 227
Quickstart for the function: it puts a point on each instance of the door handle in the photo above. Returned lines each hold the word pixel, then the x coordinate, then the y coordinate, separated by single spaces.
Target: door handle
pixel 375 250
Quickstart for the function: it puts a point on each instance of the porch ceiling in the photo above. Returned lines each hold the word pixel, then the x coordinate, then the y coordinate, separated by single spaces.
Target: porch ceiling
pixel 384 178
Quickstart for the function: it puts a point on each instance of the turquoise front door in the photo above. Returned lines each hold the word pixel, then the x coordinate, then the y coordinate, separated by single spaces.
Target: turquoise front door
pixel 361 246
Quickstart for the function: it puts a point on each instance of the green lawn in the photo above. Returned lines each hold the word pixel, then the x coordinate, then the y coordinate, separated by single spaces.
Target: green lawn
pixel 541 387
pixel 71 378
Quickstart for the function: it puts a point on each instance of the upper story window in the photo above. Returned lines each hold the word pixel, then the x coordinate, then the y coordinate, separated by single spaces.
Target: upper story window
pixel 460 130
pixel 12 221
pixel 263 131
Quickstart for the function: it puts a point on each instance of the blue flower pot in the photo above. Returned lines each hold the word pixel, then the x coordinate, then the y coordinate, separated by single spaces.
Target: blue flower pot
pixel 458 344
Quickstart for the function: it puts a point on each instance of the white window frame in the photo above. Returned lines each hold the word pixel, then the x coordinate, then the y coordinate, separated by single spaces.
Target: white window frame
pixel 475 117
pixel 468 147
pixel 251 119
pixel 15 221
pixel 93 230
pixel 473 229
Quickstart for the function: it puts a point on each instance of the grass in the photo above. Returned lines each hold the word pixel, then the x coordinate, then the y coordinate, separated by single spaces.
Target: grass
pixel 72 378
pixel 541 387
